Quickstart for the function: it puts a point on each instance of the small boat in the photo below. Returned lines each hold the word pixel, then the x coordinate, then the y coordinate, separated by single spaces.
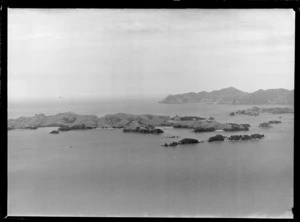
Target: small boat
pixel 219 130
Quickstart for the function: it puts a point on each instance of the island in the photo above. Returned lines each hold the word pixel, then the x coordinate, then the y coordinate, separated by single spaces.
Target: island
pixel 235 137
pixel 140 124
pixel 144 124
pixel 255 111
pixel 54 132
pixel 268 124
pixel 265 125
pixel 184 141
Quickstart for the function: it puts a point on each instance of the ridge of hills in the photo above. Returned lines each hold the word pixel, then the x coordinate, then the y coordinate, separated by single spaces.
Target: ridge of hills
pixel 232 95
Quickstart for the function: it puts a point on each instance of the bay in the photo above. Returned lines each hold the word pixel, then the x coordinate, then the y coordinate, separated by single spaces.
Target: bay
pixel 111 173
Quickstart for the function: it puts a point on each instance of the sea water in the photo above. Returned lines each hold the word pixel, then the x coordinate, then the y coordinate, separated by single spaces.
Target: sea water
pixel 111 173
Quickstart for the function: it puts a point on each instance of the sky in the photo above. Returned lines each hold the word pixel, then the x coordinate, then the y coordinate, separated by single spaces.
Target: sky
pixel 122 53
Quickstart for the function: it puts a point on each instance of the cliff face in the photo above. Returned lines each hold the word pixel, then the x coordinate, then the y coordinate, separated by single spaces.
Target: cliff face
pixel 232 95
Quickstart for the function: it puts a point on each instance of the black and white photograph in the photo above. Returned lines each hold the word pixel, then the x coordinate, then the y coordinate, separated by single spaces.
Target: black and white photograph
pixel 150 112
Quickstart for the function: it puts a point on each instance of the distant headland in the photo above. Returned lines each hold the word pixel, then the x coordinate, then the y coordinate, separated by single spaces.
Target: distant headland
pixel 232 95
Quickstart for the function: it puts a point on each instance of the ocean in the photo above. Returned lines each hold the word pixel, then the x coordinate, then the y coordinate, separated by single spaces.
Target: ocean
pixel 110 173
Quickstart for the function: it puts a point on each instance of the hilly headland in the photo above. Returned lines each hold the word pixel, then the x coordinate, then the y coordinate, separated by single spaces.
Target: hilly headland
pixel 232 95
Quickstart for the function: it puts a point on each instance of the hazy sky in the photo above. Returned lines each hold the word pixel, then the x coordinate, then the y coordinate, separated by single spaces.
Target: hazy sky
pixel 78 53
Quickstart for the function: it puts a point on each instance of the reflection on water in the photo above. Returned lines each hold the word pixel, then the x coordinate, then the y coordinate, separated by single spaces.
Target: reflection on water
pixel 109 173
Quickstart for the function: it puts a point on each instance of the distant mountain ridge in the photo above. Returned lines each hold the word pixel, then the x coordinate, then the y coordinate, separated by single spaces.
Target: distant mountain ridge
pixel 232 95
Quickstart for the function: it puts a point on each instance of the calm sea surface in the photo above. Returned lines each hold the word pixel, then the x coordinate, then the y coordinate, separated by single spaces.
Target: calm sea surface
pixel 109 173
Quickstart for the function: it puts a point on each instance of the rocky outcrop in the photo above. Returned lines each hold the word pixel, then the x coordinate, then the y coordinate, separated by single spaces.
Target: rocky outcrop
pixel 255 111
pixel 237 127
pixel 216 138
pixel 188 141
pixel 265 125
pixel 245 137
pixel 235 137
pixel 54 132
pixel 257 136
pixel 268 124
pixel 183 142
pixel 171 144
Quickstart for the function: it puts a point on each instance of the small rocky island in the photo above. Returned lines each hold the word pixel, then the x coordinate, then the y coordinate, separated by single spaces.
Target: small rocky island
pixel 54 132
pixel 255 111
pixel 235 137
pixel 268 124
pixel 216 138
pixel 144 124
pixel 184 142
